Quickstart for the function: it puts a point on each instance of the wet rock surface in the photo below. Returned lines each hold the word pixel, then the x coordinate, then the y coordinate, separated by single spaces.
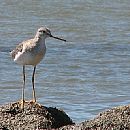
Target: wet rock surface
pixel 34 117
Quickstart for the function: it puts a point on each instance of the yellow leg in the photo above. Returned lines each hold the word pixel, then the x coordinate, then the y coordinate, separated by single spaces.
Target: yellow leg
pixel 34 96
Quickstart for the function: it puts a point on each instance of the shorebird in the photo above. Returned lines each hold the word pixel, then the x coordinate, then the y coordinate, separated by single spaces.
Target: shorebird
pixel 31 52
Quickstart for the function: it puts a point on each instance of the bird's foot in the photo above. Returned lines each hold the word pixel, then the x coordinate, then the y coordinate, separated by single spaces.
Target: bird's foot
pixel 33 102
pixel 22 102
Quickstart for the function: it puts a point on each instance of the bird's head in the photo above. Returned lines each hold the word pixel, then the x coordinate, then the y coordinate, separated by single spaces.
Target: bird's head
pixel 44 32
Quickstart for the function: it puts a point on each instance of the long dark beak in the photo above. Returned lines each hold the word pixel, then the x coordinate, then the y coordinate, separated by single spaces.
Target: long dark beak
pixel 58 38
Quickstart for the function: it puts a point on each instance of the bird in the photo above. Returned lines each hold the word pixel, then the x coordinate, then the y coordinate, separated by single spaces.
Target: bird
pixel 31 52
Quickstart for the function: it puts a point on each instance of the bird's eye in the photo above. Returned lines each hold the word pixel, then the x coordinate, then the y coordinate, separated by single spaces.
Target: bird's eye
pixel 42 31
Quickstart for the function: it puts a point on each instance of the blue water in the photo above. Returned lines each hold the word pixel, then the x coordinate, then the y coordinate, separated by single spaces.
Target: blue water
pixel 88 74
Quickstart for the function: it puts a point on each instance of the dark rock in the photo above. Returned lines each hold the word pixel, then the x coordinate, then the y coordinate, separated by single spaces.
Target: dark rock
pixel 38 117
pixel 117 118
pixel 34 117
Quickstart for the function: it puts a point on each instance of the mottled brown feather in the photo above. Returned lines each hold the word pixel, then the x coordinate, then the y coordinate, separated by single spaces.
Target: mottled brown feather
pixel 28 45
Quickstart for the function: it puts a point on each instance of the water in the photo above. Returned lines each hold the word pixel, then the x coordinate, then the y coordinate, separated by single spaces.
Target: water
pixel 84 76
